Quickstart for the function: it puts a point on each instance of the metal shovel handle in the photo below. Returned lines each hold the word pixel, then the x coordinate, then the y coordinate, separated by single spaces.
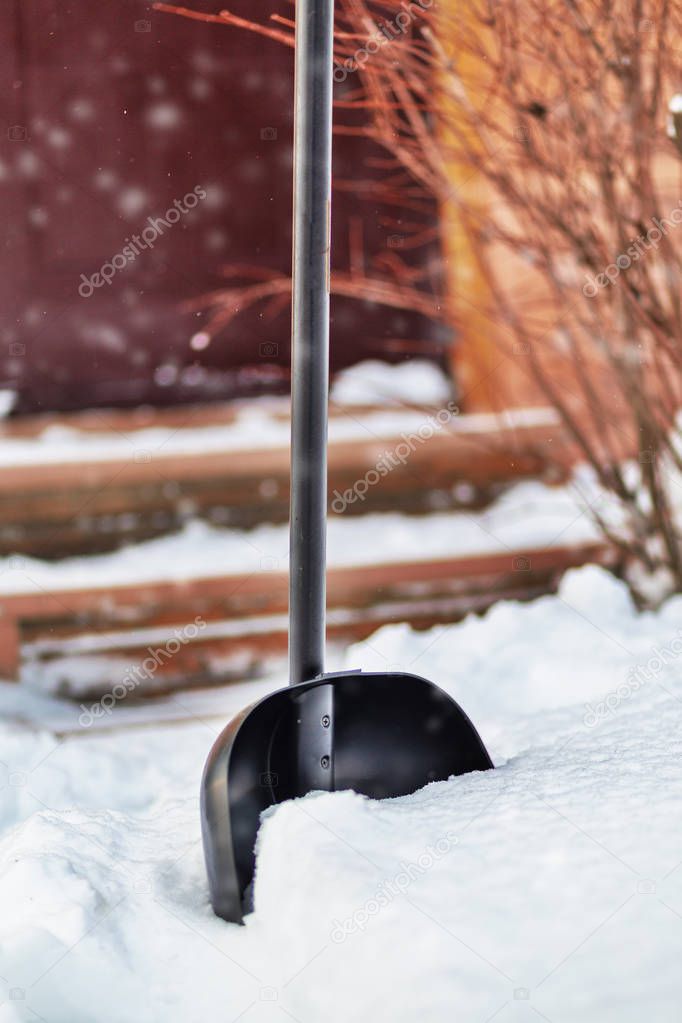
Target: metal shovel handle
pixel 310 337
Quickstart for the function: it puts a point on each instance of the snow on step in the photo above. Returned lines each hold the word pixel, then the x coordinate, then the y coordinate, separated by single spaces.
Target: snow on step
pixel 528 515
pixel 258 425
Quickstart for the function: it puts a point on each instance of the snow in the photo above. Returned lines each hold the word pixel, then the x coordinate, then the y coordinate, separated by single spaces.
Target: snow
pixel 528 515
pixel 7 401
pixel 104 335
pixel 674 107
pixel 200 341
pixel 28 164
pixel 550 888
pixel 200 88
pixel 164 116
pixel 132 201
pixel 82 109
pixel 166 374
pixel 259 424
pixel 373 382
pixel 105 179
pixel 59 138
pixel 216 195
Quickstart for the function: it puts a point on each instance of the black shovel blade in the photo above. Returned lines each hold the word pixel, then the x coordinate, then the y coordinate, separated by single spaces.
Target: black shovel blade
pixel 382 735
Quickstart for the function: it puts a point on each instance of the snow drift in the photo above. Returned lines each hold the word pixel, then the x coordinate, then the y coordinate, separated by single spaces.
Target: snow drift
pixel 550 888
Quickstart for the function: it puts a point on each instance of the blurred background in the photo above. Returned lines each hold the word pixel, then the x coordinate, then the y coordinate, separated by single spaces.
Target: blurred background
pixel 109 120
pixel 504 376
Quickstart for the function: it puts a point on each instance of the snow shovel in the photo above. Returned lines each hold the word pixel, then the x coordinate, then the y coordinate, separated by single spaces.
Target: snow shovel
pixel 381 734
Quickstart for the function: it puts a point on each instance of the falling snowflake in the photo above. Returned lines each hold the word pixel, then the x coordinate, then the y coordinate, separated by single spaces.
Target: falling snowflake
pixel 163 116
pixel 156 85
pixel 166 374
pixel 251 170
pixel 120 64
pixel 215 196
pixel 203 60
pixel 104 335
pixel 28 164
pixel 81 109
pixel 216 239
pixel 254 80
pixel 200 341
pixel 105 179
pixel 59 138
pixel 38 216
pixel 132 201
pixel 200 89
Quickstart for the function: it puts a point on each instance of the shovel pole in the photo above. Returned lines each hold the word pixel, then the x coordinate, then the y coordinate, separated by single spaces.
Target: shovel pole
pixel 310 337
pixel 381 734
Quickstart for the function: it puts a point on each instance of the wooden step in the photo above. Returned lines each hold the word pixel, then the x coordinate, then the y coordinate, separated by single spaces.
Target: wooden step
pixel 55 509
pixel 240 620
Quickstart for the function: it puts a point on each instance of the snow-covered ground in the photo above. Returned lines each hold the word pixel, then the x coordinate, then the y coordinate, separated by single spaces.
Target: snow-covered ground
pixel 550 888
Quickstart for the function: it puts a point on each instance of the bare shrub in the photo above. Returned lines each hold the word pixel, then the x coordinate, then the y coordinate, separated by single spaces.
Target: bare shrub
pixel 540 128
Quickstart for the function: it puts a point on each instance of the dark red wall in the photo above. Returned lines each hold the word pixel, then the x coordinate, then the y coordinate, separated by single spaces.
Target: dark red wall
pixel 109 113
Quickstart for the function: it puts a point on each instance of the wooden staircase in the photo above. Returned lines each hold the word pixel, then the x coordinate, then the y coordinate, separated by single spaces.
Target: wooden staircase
pixel 83 639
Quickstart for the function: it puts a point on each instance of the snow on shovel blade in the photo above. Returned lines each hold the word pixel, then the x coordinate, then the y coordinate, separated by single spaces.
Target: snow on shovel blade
pixel 382 735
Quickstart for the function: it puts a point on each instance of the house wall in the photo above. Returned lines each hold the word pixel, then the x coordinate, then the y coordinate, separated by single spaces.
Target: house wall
pixel 110 112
